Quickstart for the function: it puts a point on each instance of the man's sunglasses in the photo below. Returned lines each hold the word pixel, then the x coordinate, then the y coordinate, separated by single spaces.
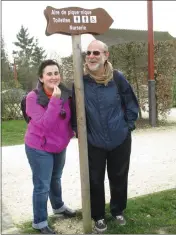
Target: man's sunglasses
pixel 95 53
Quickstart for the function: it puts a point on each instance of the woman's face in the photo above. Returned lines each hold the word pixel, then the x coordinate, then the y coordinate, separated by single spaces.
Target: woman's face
pixel 51 77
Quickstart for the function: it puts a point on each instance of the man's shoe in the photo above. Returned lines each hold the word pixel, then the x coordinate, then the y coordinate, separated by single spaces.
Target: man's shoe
pixel 120 219
pixel 66 211
pixel 100 226
pixel 47 230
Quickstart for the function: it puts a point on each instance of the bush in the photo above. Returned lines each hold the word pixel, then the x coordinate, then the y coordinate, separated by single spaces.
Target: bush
pixel 11 102
pixel 174 92
pixel 131 59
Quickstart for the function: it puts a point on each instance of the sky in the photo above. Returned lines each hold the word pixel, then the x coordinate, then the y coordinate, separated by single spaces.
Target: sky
pixel 126 15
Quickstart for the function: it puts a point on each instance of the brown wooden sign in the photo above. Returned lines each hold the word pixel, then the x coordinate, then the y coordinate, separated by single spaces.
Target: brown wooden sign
pixel 76 21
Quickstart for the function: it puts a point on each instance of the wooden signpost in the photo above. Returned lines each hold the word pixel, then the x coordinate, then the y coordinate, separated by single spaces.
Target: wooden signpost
pixel 74 21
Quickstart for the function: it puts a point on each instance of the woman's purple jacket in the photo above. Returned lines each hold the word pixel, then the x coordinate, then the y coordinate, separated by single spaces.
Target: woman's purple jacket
pixel 47 130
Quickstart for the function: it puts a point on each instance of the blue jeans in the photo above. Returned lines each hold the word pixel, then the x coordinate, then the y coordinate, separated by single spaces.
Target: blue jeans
pixel 46 173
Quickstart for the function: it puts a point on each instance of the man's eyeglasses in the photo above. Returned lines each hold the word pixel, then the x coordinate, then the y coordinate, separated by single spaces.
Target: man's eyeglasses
pixel 95 53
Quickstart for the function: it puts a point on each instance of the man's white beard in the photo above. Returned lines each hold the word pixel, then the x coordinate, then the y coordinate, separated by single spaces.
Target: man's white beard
pixel 94 67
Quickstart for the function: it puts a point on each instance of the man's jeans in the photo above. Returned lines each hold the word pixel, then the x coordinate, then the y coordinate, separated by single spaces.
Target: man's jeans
pixel 46 172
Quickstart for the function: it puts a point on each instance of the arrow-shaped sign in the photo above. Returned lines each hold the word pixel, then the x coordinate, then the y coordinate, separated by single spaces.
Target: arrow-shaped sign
pixel 76 21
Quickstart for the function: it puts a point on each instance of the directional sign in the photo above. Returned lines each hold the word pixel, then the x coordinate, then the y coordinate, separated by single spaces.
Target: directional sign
pixel 76 21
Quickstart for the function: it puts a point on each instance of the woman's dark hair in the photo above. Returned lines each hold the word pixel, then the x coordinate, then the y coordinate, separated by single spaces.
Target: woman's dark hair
pixel 44 64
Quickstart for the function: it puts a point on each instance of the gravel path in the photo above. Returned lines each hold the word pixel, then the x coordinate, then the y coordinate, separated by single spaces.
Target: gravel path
pixel 153 168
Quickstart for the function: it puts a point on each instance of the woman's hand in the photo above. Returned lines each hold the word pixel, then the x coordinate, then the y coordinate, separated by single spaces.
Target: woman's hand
pixel 56 92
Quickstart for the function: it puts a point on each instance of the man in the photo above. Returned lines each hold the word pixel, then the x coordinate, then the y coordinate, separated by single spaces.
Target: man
pixel 111 112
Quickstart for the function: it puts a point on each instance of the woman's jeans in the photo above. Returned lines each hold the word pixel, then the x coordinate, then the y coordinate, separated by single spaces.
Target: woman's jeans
pixel 46 172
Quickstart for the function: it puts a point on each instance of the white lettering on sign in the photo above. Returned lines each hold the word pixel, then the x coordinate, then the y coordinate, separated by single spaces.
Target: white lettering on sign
pixel 86 12
pixel 73 12
pixel 54 12
pixel 85 19
pixel 76 19
pixel 82 27
pixel 93 19
pixel 61 20
pixel 83 12
pixel 63 12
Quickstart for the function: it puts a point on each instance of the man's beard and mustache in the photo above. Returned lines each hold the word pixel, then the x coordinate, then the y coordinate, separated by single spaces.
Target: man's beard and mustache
pixel 96 66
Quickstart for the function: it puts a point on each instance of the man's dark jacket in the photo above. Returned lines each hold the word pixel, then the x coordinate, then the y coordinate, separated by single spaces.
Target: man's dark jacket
pixel 110 113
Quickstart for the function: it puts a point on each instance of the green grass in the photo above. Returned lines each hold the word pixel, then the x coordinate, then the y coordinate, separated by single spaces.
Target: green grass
pixel 150 214
pixel 13 132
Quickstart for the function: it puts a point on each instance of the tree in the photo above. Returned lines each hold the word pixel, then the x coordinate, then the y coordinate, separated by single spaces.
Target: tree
pixel 25 43
pixel 28 58
pixel 6 67
pixel 67 70
pixel 38 54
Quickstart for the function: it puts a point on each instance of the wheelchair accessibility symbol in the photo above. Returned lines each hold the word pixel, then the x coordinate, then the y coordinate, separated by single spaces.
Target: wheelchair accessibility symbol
pixel 93 19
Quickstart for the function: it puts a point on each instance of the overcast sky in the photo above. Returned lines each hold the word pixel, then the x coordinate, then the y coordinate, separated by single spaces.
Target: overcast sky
pixel 126 15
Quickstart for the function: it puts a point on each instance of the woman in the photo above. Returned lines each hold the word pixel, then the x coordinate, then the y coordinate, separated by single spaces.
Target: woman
pixel 48 134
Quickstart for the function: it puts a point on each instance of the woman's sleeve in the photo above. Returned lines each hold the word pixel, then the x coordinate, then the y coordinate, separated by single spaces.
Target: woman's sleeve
pixel 44 118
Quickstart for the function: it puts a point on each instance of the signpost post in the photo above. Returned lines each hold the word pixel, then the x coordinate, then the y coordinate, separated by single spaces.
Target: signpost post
pixel 74 21
pixel 82 133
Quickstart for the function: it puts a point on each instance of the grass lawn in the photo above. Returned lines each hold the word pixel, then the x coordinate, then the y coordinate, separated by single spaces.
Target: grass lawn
pixel 13 132
pixel 150 214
